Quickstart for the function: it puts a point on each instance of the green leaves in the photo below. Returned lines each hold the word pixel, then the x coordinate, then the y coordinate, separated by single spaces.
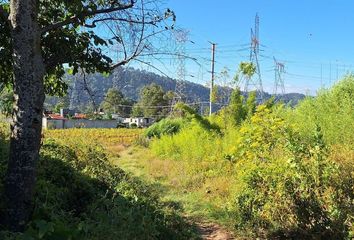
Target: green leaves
pixel 44 228
pixel 55 87
pixel 152 102
pixel 114 101
pixel 247 69
pixel 6 101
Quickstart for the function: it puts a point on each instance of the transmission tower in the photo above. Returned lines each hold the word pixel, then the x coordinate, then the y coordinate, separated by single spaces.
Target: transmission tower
pixel 255 82
pixel 181 37
pixel 279 69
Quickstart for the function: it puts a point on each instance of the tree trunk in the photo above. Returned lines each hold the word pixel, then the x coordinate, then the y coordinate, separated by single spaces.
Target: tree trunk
pixel 27 115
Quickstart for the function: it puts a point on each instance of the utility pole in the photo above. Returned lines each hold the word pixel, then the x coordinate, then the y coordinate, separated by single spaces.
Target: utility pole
pixel 212 76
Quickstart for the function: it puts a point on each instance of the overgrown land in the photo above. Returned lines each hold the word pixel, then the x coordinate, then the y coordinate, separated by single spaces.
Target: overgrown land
pixel 268 171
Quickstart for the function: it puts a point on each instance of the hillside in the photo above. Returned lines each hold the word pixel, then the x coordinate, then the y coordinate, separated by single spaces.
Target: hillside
pixel 130 81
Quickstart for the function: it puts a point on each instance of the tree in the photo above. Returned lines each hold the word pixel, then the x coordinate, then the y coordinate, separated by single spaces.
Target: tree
pixel 245 70
pixel 251 103
pixel 137 111
pixel 226 84
pixel 236 107
pixel 37 39
pixel 153 101
pixel 113 101
pixel 63 102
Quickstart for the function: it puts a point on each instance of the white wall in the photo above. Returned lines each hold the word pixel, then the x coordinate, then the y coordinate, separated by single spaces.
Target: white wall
pixel 78 123
pixel 85 123
pixel 139 121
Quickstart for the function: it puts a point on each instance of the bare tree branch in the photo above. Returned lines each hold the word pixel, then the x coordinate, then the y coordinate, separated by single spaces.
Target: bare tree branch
pixel 85 14
pixel 126 60
pixel 138 49
pixel 93 24
pixel 89 92
pixel 131 27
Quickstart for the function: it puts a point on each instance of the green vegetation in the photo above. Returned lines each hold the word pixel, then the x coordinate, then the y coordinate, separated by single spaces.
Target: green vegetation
pixel 115 102
pixel 332 110
pixel 153 102
pixel 80 195
pixel 271 171
pixel 167 126
pixel 6 101
pixel 170 126
pixel 267 171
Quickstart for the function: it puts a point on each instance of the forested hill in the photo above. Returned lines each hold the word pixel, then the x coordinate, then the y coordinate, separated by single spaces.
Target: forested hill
pixel 129 81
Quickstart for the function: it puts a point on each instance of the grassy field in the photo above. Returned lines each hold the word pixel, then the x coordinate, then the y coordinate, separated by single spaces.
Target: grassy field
pixel 267 171
pixel 200 202
pixel 81 195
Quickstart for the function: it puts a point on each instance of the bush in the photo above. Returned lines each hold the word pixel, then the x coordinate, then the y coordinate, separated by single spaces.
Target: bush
pixel 289 187
pixel 167 126
pixel 332 110
pixel 191 115
pixel 284 183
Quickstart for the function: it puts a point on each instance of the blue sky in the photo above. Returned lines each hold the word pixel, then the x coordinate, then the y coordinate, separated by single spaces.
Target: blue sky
pixel 307 35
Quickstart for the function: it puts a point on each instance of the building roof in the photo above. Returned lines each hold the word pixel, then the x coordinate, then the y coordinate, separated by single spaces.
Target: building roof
pixel 55 116
pixel 80 116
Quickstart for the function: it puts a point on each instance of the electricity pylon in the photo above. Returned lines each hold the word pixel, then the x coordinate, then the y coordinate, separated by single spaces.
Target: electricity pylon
pixel 255 82
pixel 279 70
pixel 181 37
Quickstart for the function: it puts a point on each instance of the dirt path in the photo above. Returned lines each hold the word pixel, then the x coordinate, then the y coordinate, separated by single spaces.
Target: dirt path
pixel 212 231
pixel 127 159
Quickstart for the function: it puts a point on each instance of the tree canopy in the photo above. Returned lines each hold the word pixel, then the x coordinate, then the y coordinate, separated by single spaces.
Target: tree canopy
pixel 153 102
pixel 70 39
pixel 39 40
pixel 115 102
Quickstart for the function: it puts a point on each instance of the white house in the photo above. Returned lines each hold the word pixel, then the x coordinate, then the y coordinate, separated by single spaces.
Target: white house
pixel 139 121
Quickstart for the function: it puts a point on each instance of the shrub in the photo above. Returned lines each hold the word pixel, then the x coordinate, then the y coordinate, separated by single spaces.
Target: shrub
pixel 292 190
pixel 332 110
pixel 167 126
pixel 192 116
pixel 284 183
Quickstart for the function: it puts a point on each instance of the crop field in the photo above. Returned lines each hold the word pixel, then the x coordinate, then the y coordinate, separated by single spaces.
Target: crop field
pixel 105 137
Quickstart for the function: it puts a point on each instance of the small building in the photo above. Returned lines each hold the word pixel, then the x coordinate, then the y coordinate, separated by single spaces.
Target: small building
pixel 139 121
pixel 117 117
pixel 59 121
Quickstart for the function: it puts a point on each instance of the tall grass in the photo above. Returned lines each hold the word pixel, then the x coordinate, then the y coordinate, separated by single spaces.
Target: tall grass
pixel 290 171
pixel 332 110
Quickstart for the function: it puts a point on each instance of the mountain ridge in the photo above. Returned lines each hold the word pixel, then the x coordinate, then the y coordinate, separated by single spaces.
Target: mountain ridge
pixel 129 81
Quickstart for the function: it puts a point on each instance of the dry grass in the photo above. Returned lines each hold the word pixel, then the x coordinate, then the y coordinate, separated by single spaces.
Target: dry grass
pixel 105 137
